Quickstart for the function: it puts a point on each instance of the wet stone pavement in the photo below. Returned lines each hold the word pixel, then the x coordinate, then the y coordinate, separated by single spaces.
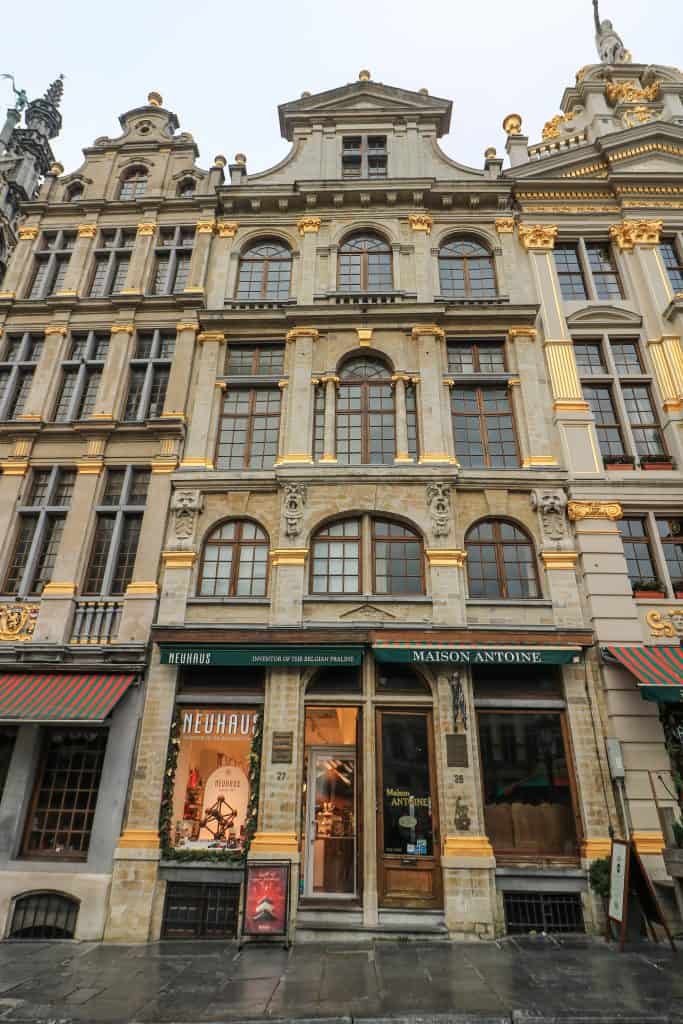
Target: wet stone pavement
pixel 524 981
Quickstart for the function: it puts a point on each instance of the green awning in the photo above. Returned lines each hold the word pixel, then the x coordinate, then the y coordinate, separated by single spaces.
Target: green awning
pixel 659 670
pixel 409 653
pixel 209 655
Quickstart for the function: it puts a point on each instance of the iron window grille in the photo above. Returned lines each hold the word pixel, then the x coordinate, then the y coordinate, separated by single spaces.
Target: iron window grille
pixel 51 263
pixel 44 915
pixel 234 561
pixel 62 810
pixel 671 251
pixel 501 562
pixel 619 391
pixel 134 184
pixel 194 911
pixel 394 562
pixel 653 546
pixel 41 516
pixel 366 414
pixel 587 270
pixel 550 912
pixel 466 270
pixel 118 521
pixel 150 369
pixel 81 374
pixel 364 156
pixel 22 352
pixel 249 428
pixel 112 260
pixel 173 258
pixel 265 272
pixel 365 265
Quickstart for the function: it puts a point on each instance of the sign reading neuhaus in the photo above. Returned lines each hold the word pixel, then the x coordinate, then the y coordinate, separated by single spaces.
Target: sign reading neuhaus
pixel 208 655
pixel 474 655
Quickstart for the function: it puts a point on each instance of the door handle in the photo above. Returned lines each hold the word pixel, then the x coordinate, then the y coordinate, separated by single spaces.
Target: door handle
pixel 408 860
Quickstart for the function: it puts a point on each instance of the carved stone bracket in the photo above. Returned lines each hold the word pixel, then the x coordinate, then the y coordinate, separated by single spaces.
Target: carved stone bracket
pixel 667 623
pixel 594 510
pixel 17 622
pixel 186 506
pixel 551 506
pixel 439 507
pixel 293 507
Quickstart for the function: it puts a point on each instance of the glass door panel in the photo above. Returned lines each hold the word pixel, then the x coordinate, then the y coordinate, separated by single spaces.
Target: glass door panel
pixel 331 861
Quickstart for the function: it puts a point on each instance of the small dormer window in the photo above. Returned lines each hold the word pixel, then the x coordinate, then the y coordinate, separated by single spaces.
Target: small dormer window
pixel 74 192
pixel 134 184
pixel 364 156
pixel 186 188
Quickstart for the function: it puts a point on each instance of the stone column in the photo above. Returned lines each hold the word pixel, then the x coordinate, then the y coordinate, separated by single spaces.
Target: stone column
pixel 308 230
pixel 298 423
pixel 201 251
pixel 218 286
pixel 534 399
pixel 141 259
pixel 287 585
pixel 74 279
pixel 175 403
pixel 114 375
pixel 197 453
pixel 421 226
pixel 330 380
pixel 448 588
pixel 14 281
pixel 46 373
pixel 432 428
pixel 143 591
pixel 399 381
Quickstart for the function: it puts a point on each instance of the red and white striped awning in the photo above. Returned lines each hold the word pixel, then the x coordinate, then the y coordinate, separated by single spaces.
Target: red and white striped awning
pixel 659 670
pixel 60 696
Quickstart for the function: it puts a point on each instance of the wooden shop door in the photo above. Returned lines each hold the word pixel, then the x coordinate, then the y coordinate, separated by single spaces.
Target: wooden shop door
pixel 408 842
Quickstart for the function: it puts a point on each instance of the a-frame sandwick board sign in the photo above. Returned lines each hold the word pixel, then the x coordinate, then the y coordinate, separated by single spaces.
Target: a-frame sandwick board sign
pixel 628 878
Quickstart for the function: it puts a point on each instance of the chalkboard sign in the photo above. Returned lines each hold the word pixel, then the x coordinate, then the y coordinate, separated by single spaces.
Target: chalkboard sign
pixel 629 881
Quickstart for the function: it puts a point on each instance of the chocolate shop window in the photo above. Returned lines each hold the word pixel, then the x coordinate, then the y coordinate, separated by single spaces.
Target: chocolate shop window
pixel 528 806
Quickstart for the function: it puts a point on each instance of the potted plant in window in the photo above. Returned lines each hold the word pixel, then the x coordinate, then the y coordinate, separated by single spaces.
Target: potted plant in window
pixel 648 588
pixel 656 462
pixel 620 462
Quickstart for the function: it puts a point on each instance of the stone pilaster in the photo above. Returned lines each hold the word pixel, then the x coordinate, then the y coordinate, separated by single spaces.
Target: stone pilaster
pixel 197 454
pixel 436 446
pixel 175 403
pixel 399 381
pixel 46 374
pixel 298 421
pixel 220 281
pixel 278 816
pixel 16 278
pixel 421 229
pixel 287 585
pixel 141 259
pixel 330 382
pixel 110 394
pixel 143 591
pixel 201 251
pixel 448 585
pixel 308 230
pixel 74 280
pixel 534 400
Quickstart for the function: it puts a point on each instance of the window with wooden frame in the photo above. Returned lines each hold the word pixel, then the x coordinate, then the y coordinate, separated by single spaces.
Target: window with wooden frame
pixel 62 811
pixel 265 271
pixel 481 407
pixel 41 515
pixel 466 270
pixel 51 263
pixel 150 369
pixel 234 561
pixel 618 389
pixel 17 367
pixel 671 251
pixel 366 418
pixel 255 361
pixel 112 260
pixel 118 522
pixel 133 184
pixel 365 264
pixel 587 269
pixel 364 156
pixel 173 255
pixel 249 428
pixel 638 552
pixel 396 564
pixel 653 546
pixel 501 562
pixel 81 373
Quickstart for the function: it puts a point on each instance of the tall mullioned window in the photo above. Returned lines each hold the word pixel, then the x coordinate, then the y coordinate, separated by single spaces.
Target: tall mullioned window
pixel 501 562
pixel 234 561
pixel 653 546
pixel 173 258
pixel 250 420
pixel 466 270
pixel 118 522
pixel 112 260
pixel 150 368
pixel 618 389
pixel 51 263
pixel 81 375
pixel 41 515
pixel 265 271
pixel 17 367
pixel 587 270
pixel 133 184
pixel 366 419
pixel 338 567
pixel 364 264
pixel 671 251
pixel 481 408
pixel 364 156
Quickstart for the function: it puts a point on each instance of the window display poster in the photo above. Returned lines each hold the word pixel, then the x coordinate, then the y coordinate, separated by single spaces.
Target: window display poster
pixel 267 898
pixel 618 880
pixel 211 791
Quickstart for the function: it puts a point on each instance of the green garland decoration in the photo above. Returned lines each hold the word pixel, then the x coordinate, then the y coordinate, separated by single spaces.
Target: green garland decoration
pixel 234 857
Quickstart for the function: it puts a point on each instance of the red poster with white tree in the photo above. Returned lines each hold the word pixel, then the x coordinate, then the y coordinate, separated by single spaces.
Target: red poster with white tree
pixel 267 899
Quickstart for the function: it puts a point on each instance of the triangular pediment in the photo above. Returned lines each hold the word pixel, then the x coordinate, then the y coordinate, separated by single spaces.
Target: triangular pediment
pixel 368 612
pixel 361 101
pixel 607 316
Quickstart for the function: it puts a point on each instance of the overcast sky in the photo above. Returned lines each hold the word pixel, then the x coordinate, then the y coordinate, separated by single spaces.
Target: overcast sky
pixel 224 67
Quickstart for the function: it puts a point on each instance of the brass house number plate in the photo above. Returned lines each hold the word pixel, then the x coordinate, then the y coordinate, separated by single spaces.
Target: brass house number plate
pixel 283 746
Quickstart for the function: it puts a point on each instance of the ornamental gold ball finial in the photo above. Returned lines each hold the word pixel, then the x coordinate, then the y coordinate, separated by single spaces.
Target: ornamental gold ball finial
pixel 364 75
pixel 57 169
pixel 155 99
pixel 240 158
pixel 512 124
pixel 219 161
pixel 305 94
pixel 423 91
pixel 490 153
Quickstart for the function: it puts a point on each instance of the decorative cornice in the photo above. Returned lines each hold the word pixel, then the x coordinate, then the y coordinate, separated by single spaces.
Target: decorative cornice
pixel 90 466
pixel 427 458
pixel 504 225
pixel 522 332
pixel 405 377
pixel 123 328
pixel 364 335
pixel 446 557
pixel 559 559
pixel 144 588
pixel 288 556
pixel 186 326
pixel 648 842
pixel 326 378
pixel 596 849
pixel 428 329
pixel 467 846
pixel 217 336
pixel 8 295
pixel 308 225
pixel 294 459
pixel 139 839
pixel 226 228
pixel 147 228
pixel 536 461
pixel 570 405
pixel 65 589
pixel 86 230
pixel 178 559
pixel 205 227
pixel 56 329
pixel 540 237
pixel 302 332
pixel 630 91
pixel 166 464
pixel 27 234
pixel 420 222
pixel 636 232
pixel 274 842
pixel 611 510
pixel 14 467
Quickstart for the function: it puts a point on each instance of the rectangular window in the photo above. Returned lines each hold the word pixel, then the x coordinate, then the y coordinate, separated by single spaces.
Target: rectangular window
pixel 653 546
pixel 604 271
pixel 17 367
pixel 39 530
pixel 249 429
pixel 364 156
pixel 118 522
pixel 643 419
pixel 81 375
pixel 670 251
pixel 112 260
pixel 670 534
pixel 319 422
pixel 150 370
pixel 607 425
pixel 476 357
pixel 51 264
pixel 173 257
pixel 483 427
pixel 638 552
pixel 587 270
pixel 569 271
pixel 255 361
pixel 61 817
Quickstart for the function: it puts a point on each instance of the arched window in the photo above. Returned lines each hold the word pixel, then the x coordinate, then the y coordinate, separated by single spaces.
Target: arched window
pixel 265 271
pixel 44 915
pixel 134 184
pixel 397 559
pixel 187 188
pixel 74 192
pixel 466 270
pixel 501 562
pixel 235 561
pixel 366 428
pixel 365 264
